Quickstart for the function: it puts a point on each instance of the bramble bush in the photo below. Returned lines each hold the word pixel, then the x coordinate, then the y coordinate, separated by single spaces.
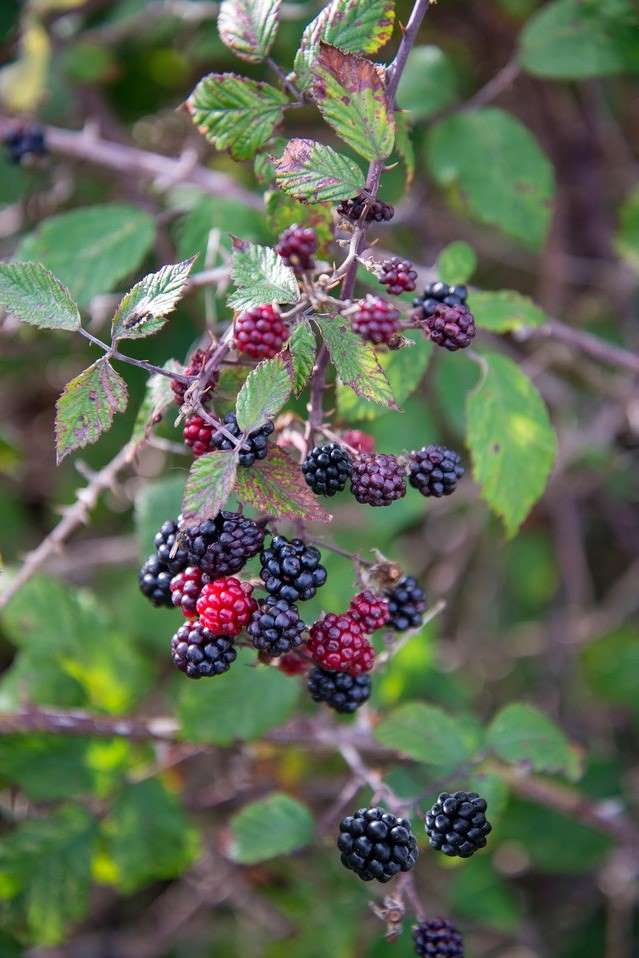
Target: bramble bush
pixel 383 510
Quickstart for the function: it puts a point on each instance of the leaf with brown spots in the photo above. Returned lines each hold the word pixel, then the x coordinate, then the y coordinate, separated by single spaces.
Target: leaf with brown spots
pixel 208 486
pixel 315 173
pixel 248 27
pixel 276 486
pixel 87 406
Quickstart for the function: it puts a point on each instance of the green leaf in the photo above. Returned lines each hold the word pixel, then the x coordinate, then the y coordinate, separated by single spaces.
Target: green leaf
pixel 456 263
pixel 303 349
pixel 355 26
pixel 45 866
pixel 350 93
pixel 275 825
pixel 248 27
pixel 627 237
pixel 611 667
pixel 87 406
pixel 45 767
pixel 148 836
pixel 356 362
pixel 91 249
pixel 158 396
pixel 235 113
pixel 427 734
pixel 521 733
pixel 575 39
pixel 504 310
pixel 511 438
pixel 428 83
pixel 33 295
pixel 261 277
pixel 276 486
pixel 208 485
pixel 404 369
pixel 144 309
pixel 313 172
pixel 478 893
pixel 154 504
pixel 244 703
pixel 263 394
pixel 500 170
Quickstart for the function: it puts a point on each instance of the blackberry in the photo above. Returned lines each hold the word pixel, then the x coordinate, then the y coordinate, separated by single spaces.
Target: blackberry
pixel 197 435
pixel 260 332
pixel 456 824
pixel 398 276
pixel 340 644
pixel 406 604
pixel 370 609
pixel 168 548
pixel 377 211
pixel 375 320
pixel 256 443
pixel 339 690
pixel 222 546
pixel 199 653
pixel 438 938
pixel 296 246
pixel 376 844
pixel 186 587
pixel 378 480
pixel 359 441
pixel 155 582
pixel 327 469
pixel 434 470
pixel 275 627
pixel 292 570
pixel 25 143
pixel 226 606
pixel 437 293
pixel 452 327
pixel 194 368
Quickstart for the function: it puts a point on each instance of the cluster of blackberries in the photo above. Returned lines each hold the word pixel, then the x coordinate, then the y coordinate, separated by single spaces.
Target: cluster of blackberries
pixel 406 604
pixel 376 210
pixel 443 313
pixel 375 320
pixel 376 844
pixel 435 470
pixel 260 332
pixel 398 276
pixel 327 469
pixel 25 143
pixel 438 938
pixel 457 825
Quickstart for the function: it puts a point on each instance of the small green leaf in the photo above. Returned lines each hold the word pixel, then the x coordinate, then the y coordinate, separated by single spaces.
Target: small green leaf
pixel 504 310
pixel 33 295
pixel 427 734
pixel 276 486
pixel 356 362
pixel 313 172
pixel 264 393
pixel 428 83
pixel 248 27
pixel 303 350
pixel 261 277
pixel 87 406
pixel 158 396
pixel 511 438
pixel 144 309
pixel 350 93
pixel 242 704
pixel 627 238
pixel 208 485
pixel 404 369
pixel 521 733
pixel 235 113
pixel 276 825
pixel 456 263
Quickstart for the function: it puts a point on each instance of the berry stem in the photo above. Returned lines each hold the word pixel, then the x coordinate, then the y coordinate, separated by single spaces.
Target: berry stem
pixel 140 363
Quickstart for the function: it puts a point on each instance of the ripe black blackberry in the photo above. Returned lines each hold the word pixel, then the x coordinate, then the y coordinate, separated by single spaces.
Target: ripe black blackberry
pixel 296 246
pixel 340 691
pixel 375 320
pixel 457 825
pixel 452 327
pixel 327 469
pixel 435 470
pixel 438 938
pixel 25 143
pixel 376 844
pixel 398 276
pixel 169 549
pixel 155 582
pixel 291 570
pixel 377 212
pixel 256 444
pixel 199 653
pixel 406 604
pixel 222 546
pixel 437 293
pixel 276 627
pixel 378 480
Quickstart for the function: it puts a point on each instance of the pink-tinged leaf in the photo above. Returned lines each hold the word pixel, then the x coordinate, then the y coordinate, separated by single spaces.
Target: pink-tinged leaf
pixel 208 486
pixel 87 406
pixel 315 173
pixel 248 27
pixel 276 486
pixel 356 362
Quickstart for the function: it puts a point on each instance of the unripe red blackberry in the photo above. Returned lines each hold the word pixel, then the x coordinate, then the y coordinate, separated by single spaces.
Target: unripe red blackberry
pixel 340 644
pixel 376 844
pixel 199 653
pixel 225 606
pixel 370 610
pixel 194 368
pixel 253 448
pixel 376 320
pixel 327 468
pixel 437 938
pixel 359 441
pixel 222 546
pixel 452 327
pixel 296 246
pixel 457 825
pixel 198 435
pixel 155 582
pixel 275 627
pixel 398 276
pixel 293 664
pixel 291 570
pixel 340 691
pixel 435 470
pixel 260 332
pixel 186 587
pixel 406 604
pixel 378 480
pixel 377 211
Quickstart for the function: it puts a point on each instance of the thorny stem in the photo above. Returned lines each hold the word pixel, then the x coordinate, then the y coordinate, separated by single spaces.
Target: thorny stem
pixel 140 363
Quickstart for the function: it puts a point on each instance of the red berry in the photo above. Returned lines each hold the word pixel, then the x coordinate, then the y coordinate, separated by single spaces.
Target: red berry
pixel 197 435
pixel 296 246
pixel 194 368
pixel 260 332
pixel 359 441
pixel 339 643
pixel 292 664
pixel 226 605
pixel 375 320
pixel 369 609
pixel 398 276
pixel 186 588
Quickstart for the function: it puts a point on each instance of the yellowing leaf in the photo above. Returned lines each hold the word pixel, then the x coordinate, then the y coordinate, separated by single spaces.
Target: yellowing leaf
pixel 23 83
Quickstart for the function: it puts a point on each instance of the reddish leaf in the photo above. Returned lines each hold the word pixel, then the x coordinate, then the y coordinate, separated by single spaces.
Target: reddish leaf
pixel 276 486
